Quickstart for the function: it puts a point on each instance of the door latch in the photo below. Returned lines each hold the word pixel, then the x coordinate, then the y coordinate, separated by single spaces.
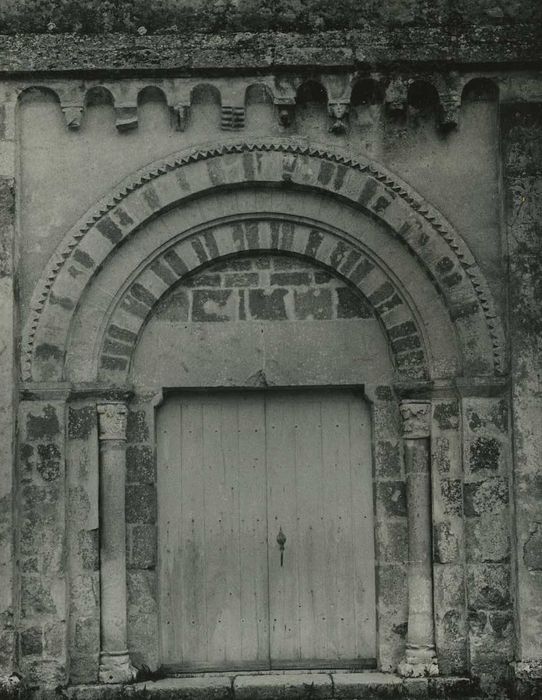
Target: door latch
pixel 281 539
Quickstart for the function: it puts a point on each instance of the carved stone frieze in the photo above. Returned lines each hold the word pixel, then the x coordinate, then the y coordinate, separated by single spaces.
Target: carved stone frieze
pixel 416 417
pixel 112 418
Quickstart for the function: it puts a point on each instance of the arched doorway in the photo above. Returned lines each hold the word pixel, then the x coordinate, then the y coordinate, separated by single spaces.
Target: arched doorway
pixel 91 329
pixel 265 493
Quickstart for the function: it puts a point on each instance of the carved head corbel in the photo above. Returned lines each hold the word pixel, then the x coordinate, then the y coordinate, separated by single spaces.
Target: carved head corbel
pixel 338 111
pixel 286 114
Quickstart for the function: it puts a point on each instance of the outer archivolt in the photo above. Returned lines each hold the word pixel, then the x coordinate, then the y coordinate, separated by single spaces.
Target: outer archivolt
pixel 357 180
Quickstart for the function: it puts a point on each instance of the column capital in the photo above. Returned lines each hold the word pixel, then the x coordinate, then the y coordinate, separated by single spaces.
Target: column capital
pixel 416 419
pixel 112 419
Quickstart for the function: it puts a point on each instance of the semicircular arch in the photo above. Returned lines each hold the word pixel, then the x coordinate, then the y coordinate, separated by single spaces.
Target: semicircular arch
pixel 169 183
pixel 116 340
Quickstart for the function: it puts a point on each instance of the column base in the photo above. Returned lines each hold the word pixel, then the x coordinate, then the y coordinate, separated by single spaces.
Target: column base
pixel 419 662
pixel 115 667
pixel 526 670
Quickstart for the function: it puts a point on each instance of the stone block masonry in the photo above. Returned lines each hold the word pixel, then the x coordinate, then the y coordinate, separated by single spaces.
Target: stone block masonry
pixel 83 541
pixel 42 541
pixel 141 536
pixel 522 144
pixel 8 398
pixel 487 525
pixel 267 288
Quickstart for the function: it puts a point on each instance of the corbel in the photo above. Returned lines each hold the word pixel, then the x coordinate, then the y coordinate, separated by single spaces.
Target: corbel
pixel 73 114
pixel 285 110
pixel 126 117
pixel 181 116
pixel 449 111
pixel 396 95
pixel 338 112
pixel 232 118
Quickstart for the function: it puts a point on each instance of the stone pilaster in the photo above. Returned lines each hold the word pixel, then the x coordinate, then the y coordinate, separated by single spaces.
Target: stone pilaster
pixel 41 541
pixel 115 664
pixel 521 130
pixel 420 658
pixel 8 407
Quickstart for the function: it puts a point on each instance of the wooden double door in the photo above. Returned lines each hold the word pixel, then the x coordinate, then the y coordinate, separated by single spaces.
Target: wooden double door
pixel 266 541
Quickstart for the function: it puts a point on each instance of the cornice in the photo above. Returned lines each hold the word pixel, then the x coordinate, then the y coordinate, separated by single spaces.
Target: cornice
pixel 192 53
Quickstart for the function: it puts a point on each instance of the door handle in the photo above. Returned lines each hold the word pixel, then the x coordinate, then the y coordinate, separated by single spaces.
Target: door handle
pixel 281 539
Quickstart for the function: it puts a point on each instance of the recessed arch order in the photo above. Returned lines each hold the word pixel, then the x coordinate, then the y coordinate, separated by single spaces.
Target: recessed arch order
pixel 281 170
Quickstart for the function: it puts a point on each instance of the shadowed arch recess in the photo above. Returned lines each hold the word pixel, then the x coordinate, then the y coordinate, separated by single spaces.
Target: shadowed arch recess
pixel 226 241
pixel 164 185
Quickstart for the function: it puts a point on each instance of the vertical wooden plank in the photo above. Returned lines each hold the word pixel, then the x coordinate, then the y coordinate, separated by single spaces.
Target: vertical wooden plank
pixel 361 489
pixel 282 508
pixel 216 545
pixel 313 612
pixel 253 530
pixel 337 512
pixel 228 422
pixel 168 451
pixel 190 586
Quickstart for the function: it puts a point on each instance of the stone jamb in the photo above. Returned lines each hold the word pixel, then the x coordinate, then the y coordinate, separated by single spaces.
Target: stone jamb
pixel 449 556
pixel 82 467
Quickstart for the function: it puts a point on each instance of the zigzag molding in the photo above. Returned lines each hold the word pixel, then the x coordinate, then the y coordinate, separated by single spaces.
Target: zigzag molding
pixel 400 188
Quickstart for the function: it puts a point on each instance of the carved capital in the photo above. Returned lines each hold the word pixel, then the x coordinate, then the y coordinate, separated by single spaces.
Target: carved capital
pixel 112 418
pixel 416 419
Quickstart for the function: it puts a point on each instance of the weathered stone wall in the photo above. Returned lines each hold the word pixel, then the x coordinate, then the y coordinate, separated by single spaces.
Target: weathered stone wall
pixel 141 518
pixel 83 541
pixel 522 147
pixel 486 460
pixel 439 130
pixel 42 556
pixel 241 15
pixel 449 537
pixel 8 395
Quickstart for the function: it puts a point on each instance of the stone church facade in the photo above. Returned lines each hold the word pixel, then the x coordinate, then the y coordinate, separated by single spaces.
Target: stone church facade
pixel 264 319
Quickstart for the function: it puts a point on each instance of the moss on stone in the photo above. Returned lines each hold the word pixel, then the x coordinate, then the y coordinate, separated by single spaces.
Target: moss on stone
pixel 159 16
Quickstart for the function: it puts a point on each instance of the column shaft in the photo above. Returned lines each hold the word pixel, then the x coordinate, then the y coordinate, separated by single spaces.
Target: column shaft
pixel 420 658
pixel 115 664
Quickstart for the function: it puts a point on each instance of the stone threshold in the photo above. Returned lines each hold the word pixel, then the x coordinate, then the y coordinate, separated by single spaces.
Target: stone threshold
pixel 286 685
